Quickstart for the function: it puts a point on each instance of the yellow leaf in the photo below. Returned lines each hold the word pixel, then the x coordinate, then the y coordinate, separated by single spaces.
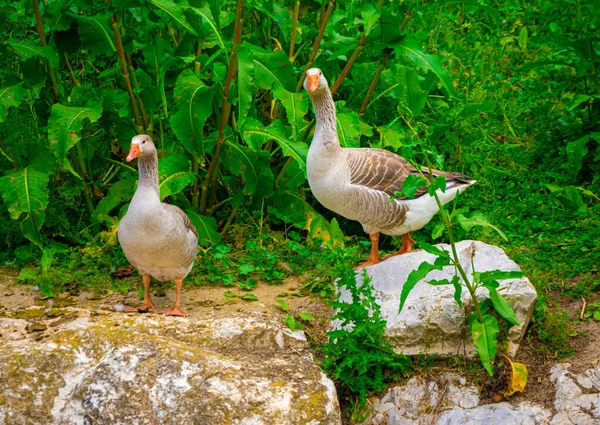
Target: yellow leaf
pixel 518 377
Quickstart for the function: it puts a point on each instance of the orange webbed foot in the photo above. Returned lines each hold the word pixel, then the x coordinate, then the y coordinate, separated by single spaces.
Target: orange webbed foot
pixel 144 308
pixel 175 311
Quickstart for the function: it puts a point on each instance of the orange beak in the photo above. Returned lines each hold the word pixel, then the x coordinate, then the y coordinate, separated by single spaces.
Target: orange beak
pixel 134 152
pixel 313 83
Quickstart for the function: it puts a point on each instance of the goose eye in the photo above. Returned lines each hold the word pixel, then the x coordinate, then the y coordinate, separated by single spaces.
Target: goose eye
pixel 143 142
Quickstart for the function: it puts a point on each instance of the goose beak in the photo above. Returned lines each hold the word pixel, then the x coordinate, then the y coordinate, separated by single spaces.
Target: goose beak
pixel 134 152
pixel 313 83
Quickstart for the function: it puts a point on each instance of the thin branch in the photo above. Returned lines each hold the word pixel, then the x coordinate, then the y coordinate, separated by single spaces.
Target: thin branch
pixel 40 29
pixel 311 58
pixel 226 106
pixel 124 70
pixel 373 84
pixel 361 44
pixel 294 28
pixel 71 73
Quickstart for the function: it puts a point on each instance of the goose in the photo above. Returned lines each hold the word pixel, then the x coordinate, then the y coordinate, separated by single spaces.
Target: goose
pixel 158 239
pixel 357 183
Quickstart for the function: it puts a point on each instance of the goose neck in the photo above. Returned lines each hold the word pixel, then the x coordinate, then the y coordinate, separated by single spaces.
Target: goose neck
pixel 148 189
pixel 325 129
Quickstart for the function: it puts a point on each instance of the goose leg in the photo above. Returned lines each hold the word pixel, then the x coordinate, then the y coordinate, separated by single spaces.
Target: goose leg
pixel 374 257
pixel 147 305
pixel 407 243
pixel 176 310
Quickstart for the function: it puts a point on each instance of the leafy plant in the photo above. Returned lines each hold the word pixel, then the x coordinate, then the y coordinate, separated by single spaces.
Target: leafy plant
pixel 593 310
pixel 356 354
pixel 483 325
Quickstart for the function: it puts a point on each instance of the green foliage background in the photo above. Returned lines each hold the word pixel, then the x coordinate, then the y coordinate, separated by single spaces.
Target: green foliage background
pixel 506 92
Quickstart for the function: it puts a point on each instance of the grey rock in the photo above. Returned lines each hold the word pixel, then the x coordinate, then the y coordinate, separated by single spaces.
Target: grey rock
pixel 497 414
pixel 431 320
pixel 577 399
pixel 148 369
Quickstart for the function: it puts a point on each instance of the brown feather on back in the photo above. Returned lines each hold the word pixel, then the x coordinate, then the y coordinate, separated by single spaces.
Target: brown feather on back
pixel 384 171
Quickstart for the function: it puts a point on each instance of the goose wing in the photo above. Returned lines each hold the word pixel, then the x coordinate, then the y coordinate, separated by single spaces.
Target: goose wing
pixel 176 211
pixel 384 171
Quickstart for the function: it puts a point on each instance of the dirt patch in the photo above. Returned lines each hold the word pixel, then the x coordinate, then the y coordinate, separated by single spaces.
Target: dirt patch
pixel 15 299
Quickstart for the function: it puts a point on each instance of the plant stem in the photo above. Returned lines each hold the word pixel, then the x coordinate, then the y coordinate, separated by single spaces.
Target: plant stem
pixel 373 84
pixel 136 85
pixel 40 29
pixel 226 106
pixel 71 73
pixel 311 58
pixel 361 44
pixel 448 223
pixel 294 28
pixel 198 53
pixel 124 70
pixel 195 191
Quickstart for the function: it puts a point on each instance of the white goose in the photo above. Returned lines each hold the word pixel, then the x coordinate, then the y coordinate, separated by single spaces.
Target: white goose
pixel 157 238
pixel 358 183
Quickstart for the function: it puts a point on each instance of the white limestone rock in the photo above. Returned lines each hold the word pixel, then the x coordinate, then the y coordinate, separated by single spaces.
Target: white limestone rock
pixel 431 320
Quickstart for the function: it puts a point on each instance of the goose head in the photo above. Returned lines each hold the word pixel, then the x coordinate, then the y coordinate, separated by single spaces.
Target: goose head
pixel 315 83
pixel 141 145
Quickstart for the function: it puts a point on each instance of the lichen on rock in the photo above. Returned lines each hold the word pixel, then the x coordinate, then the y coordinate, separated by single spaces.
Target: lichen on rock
pixel 120 369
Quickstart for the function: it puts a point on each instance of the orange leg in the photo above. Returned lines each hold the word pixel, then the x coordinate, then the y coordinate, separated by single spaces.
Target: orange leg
pixel 147 305
pixel 407 243
pixel 176 310
pixel 374 257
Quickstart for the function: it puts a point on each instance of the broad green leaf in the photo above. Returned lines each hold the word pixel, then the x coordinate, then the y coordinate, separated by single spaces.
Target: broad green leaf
pixel 194 101
pixel 438 230
pixel 273 68
pixel 96 33
pixel 410 186
pixel 25 192
pixel 503 307
pixel 411 48
pixel 64 129
pixel 120 192
pixel 477 219
pixel 457 290
pixel 413 278
pixel 295 104
pixel 336 234
pixel 174 175
pixel 206 227
pixel 241 161
pixel 440 183
pixel 27 50
pixel 577 150
pixel 209 28
pixel 484 336
pixel 389 136
pixel 523 39
pixel 11 96
pixel 283 304
pixel 175 12
pixel 369 17
pixel 432 249
pixel 276 131
pixel 350 128
pixel 245 84
pixel 291 208
pixel 499 275
pixel 473 109
pixel 306 316
pixel 249 297
pixel 412 96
